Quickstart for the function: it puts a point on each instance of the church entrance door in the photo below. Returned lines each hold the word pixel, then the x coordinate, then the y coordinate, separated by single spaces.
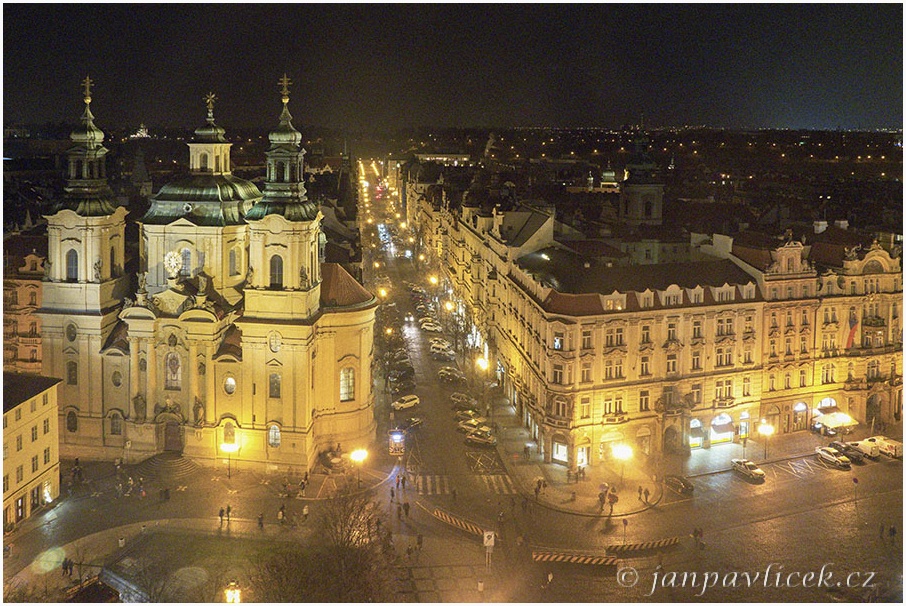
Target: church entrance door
pixel 173 437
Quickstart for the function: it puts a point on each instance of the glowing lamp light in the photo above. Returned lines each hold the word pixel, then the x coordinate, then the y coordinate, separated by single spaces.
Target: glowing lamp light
pixel 448 305
pixel 358 455
pixel 433 280
pixel 232 593
pixel 382 292
pixel 482 363
pixel 229 447
pixel 766 429
pixel 622 452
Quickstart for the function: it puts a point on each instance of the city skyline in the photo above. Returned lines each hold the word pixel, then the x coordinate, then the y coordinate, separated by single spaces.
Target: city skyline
pixel 383 68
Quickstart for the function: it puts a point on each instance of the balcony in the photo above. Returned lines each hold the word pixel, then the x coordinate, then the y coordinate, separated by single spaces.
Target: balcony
pixel 556 422
pixel 29 339
pixel 723 402
pixel 615 418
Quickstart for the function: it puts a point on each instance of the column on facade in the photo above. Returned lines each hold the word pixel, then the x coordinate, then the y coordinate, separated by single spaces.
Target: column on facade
pixel 134 390
pixel 151 366
pixel 210 385
pixel 193 379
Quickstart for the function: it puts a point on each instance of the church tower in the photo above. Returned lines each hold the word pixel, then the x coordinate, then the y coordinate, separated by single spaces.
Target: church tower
pixel 84 281
pixel 642 192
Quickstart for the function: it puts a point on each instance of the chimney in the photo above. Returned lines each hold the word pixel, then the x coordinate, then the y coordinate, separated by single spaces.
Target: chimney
pixel 842 223
pixel 820 226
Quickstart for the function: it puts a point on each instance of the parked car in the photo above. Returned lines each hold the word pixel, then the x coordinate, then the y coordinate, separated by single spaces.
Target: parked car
pixel 680 484
pixel 405 402
pixel 481 438
pixel 853 454
pixel 411 423
pixel 823 430
pixel 747 468
pixel 868 448
pixel 441 341
pixel 431 327
pixel 402 372
pixel 832 456
pixel 465 415
pixel 438 348
pixel 447 356
pixel 886 446
pixel 472 425
pixel 402 386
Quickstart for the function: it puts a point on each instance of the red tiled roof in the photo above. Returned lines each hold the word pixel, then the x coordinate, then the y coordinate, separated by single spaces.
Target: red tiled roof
pixel 339 289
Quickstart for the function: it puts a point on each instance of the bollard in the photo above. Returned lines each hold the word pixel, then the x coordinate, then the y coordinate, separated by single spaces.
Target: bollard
pixel 122 541
pixel 480 586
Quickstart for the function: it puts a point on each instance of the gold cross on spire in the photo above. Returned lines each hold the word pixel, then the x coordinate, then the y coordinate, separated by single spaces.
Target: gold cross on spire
pixel 284 82
pixel 209 101
pixel 86 84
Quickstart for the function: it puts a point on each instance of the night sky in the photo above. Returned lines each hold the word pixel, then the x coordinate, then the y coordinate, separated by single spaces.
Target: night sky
pixel 394 66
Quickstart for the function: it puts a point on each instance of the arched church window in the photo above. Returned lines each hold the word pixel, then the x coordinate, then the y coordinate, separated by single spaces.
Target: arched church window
pixel 234 267
pixel 186 262
pixel 229 433
pixel 347 384
pixel 203 162
pixel 173 371
pixel 273 386
pixel 276 271
pixel 72 373
pixel 72 266
pixel 273 436
pixel 116 424
pixel 72 422
pixel 648 207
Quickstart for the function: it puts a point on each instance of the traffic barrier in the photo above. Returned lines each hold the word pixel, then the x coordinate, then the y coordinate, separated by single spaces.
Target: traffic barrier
pixel 573 558
pixel 643 546
pixel 457 522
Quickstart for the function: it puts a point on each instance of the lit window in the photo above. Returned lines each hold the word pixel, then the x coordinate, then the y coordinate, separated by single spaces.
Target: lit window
pixel 276 271
pixel 273 436
pixel 72 266
pixel 347 384
pixel 174 371
pixel 116 425
pixel 72 422
pixel 273 390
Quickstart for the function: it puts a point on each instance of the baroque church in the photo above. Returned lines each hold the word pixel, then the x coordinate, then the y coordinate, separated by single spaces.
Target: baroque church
pixel 238 341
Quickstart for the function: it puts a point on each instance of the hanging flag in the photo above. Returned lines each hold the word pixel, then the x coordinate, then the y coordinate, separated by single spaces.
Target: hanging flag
pixel 853 325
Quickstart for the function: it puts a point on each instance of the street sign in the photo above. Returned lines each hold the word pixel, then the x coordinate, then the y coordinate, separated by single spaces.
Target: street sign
pixel 488 538
pixel 397 443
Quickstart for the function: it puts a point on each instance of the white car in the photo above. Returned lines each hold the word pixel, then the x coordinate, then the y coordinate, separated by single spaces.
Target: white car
pixel 405 402
pixel 437 348
pixel 441 342
pixel 826 454
pixel 431 327
pixel 481 438
pixel 473 425
pixel 747 468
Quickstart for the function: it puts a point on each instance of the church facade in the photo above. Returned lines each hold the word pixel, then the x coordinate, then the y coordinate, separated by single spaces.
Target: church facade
pixel 238 341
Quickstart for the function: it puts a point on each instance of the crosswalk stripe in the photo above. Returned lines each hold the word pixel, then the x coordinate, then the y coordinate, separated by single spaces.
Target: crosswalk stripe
pixel 432 484
pixel 499 483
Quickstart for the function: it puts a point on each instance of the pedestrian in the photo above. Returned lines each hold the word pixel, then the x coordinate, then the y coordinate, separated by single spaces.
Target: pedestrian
pixel 892 533
pixel 525 452
pixel 305 478
pixel 538 492
pixel 398 480
pixel 221 515
pixel 406 508
pixel 404 481
pixel 302 486
pixel 281 514
pixel 647 494
pixel 543 485
pixel 305 513
pixel 640 493
pixel 65 566
pixel 71 566
pixel 399 511
pixel 454 495
pixel 261 521
pixel 228 510
pixel 392 494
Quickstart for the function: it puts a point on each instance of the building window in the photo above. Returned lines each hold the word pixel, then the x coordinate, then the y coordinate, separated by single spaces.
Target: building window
pixel 46 426
pixel 18 414
pixel 723 389
pixel 229 433
pixel 276 271
pixel 557 374
pixel 827 373
pixel 33 406
pixel 5 482
pixel 273 383
pixel 273 436
pixel 72 266
pixel 772 382
pixel 618 368
pixel 671 363
pixel 72 422
pixel 803 344
pixel 697 393
pixel 787 381
pixel 724 356
pixel 671 331
pixel 643 366
pixel 586 372
pixel 47 455
pixel 788 346
pixel 558 340
pixel 32 300
pixel 116 424
pixel 72 373
pixel 697 329
pixel 174 371
pixel 646 334
pixel 746 386
pixel 18 443
pixel 585 408
pixel 347 384
pixel 20 474
pixel 802 377
pixel 644 402
pixel 34 464
pixel 34 433
pixel 696 360
pixel 186 269
pixel 874 369
pixel 586 339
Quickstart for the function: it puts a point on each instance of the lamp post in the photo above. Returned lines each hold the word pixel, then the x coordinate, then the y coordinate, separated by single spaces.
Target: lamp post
pixel 622 452
pixel 359 457
pixel 229 449
pixel 766 430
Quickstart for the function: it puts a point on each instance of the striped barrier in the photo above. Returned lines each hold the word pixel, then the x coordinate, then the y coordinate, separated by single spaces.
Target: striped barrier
pixel 643 546
pixel 573 558
pixel 452 520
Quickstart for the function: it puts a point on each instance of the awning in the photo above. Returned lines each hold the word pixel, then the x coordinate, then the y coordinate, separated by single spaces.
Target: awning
pixel 723 428
pixel 827 410
pixel 696 432
pixel 837 419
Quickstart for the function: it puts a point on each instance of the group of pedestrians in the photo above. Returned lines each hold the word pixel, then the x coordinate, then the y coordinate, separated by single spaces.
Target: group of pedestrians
pixel 67 566
pixel 225 512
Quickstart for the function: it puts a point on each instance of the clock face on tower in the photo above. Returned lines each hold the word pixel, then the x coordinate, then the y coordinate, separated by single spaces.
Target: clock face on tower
pixel 274 341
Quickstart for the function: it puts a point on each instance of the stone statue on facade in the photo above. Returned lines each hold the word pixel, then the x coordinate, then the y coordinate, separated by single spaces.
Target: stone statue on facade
pixel 97 270
pixel 303 277
pixel 139 405
pixel 198 411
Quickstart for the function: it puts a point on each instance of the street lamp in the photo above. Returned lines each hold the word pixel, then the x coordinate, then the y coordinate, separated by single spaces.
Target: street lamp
pixel 766 430
pixel 359 457
pixel 233 593
pixel 229 449
pixel 622 452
